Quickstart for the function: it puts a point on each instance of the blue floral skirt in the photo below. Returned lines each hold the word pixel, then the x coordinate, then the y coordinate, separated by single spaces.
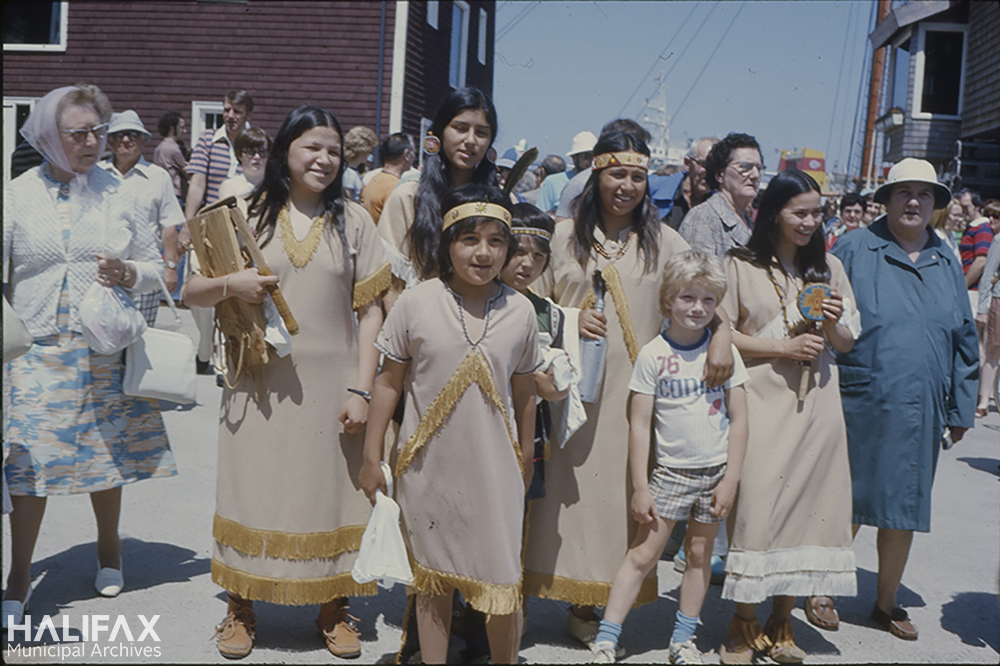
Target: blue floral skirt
pixel 69 429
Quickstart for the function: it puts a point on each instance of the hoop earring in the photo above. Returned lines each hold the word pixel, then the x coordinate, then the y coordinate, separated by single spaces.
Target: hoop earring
pixel 431 144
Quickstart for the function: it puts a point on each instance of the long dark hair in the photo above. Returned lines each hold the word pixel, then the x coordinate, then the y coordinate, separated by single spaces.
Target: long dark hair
pixel 810 259
pixel 435 178
pixel 468 194
pixel 588 215
pixel 271 194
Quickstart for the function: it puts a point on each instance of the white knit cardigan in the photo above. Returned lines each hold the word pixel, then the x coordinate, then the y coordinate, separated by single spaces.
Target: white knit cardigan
pixel 35 261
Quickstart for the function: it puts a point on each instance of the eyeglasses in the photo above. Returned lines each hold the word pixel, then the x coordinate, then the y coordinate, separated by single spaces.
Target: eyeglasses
pixel 80 135
pixel 131 134
pixel 699 162
pixel 255 152
pixel 995 214
pixel 746 167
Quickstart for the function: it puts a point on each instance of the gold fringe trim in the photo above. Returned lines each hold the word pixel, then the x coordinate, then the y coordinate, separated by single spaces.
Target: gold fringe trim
pixel 472 369
pixel 488 598
pixel 289 592
pixel 746 634
pixel 582 592
pixel 411 599
pixel 372 287
pixel 589 301
pixel 290 546
pixel 614 282
pixel 776 633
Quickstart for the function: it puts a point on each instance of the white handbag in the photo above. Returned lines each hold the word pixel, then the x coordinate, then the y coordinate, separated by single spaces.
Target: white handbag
pixel 16 339
pixel 161 364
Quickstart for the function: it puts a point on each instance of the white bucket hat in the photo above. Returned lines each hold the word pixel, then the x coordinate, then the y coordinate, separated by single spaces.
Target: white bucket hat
pixel 912 170
pixel 583 142
pixel 125 121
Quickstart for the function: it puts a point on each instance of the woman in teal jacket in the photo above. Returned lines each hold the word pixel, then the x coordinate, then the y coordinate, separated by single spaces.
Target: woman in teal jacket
pixel 912 373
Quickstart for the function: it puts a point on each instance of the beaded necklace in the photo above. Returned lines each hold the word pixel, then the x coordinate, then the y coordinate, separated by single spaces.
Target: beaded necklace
pixel 781 300
pixel 461 314
pixel 621 250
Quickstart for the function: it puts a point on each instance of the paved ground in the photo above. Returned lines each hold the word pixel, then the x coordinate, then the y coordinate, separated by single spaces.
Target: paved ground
pixel 950 587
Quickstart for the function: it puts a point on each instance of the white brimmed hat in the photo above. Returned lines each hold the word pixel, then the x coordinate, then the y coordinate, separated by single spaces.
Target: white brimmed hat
pixel 125 121
pixel 912 170
pixel 583 142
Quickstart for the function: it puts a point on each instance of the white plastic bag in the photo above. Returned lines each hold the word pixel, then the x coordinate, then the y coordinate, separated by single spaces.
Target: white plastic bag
pixel 109 319
pixel 383 554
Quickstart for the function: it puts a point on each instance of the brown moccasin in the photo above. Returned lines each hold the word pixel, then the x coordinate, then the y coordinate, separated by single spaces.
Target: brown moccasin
pixel 340 630
pixel 235 635
pixel 896 623
pixel 822 612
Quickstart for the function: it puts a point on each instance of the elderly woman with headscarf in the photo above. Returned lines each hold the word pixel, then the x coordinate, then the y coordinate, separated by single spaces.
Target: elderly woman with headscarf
pixel 69 428
pixel 912 373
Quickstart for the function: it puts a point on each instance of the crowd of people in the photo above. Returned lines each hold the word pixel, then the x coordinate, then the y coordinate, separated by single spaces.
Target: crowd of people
pixel 778 370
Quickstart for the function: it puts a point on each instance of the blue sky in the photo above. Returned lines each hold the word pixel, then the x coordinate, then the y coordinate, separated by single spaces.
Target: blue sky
pixel 787 72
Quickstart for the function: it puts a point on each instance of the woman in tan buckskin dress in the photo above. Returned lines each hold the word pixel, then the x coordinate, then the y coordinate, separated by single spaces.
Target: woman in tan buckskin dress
pixel 289 510
pixel 579 532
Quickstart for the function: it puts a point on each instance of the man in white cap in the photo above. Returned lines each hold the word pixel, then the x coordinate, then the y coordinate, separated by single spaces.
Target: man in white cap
pixel 152 190
pixel 912 375
pixel 582 154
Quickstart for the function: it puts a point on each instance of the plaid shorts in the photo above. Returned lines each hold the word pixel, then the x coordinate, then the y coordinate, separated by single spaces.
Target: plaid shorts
pixel 680 494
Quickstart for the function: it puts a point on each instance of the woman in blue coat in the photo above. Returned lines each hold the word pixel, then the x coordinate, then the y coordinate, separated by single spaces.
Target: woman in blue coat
pixel 912 373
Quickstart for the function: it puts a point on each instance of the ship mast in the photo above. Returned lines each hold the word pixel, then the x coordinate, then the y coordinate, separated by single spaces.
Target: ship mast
pixel 654 119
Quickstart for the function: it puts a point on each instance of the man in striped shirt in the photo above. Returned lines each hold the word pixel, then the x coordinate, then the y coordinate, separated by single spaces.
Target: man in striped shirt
pixel 213 159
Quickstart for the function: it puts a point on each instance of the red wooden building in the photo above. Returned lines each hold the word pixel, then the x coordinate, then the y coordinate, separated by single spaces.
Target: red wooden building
pixel 385 65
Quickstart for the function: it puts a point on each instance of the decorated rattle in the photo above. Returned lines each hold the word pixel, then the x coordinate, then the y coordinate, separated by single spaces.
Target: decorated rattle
pixel 810 304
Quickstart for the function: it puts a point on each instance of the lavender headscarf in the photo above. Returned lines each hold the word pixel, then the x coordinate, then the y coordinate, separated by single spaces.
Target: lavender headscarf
pixel 41 129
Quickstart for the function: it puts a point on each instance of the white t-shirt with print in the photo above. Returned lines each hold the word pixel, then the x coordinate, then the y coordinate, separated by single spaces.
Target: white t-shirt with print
pixel 690 420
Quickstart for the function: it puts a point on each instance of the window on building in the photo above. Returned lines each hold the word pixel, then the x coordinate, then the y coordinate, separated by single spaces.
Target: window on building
pixel 939 70
pixel 205 115
pixel 15 112
pixel 459 43
pixel 482 35
pixel 433 11
pixel 900 75
pixel 34 26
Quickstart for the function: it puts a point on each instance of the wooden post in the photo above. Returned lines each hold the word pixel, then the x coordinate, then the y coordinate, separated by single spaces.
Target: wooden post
pixel 874 101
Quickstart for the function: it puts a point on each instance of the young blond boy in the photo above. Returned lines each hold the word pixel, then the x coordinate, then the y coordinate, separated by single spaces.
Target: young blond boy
pixel 701 437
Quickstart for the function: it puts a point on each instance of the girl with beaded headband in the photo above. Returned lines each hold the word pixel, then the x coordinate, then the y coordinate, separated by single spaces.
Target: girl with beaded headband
pixel 289 518
pixel 616 232
pixel 454 154
pixel 796 459
pixel 463 346
pixel 533 230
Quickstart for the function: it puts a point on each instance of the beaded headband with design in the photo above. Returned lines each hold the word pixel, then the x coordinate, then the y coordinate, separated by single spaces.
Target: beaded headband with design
pixel 475 209
pixel 532 231
pixel 622 158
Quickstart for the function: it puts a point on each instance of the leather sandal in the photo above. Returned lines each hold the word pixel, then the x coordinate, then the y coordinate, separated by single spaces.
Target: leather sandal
pixel 340 630
pixel 822 612
pixel 897 622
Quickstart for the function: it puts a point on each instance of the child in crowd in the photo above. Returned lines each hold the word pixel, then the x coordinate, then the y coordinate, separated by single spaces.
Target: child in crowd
pixel 701 437
pixel 533 230
pixel 464 347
